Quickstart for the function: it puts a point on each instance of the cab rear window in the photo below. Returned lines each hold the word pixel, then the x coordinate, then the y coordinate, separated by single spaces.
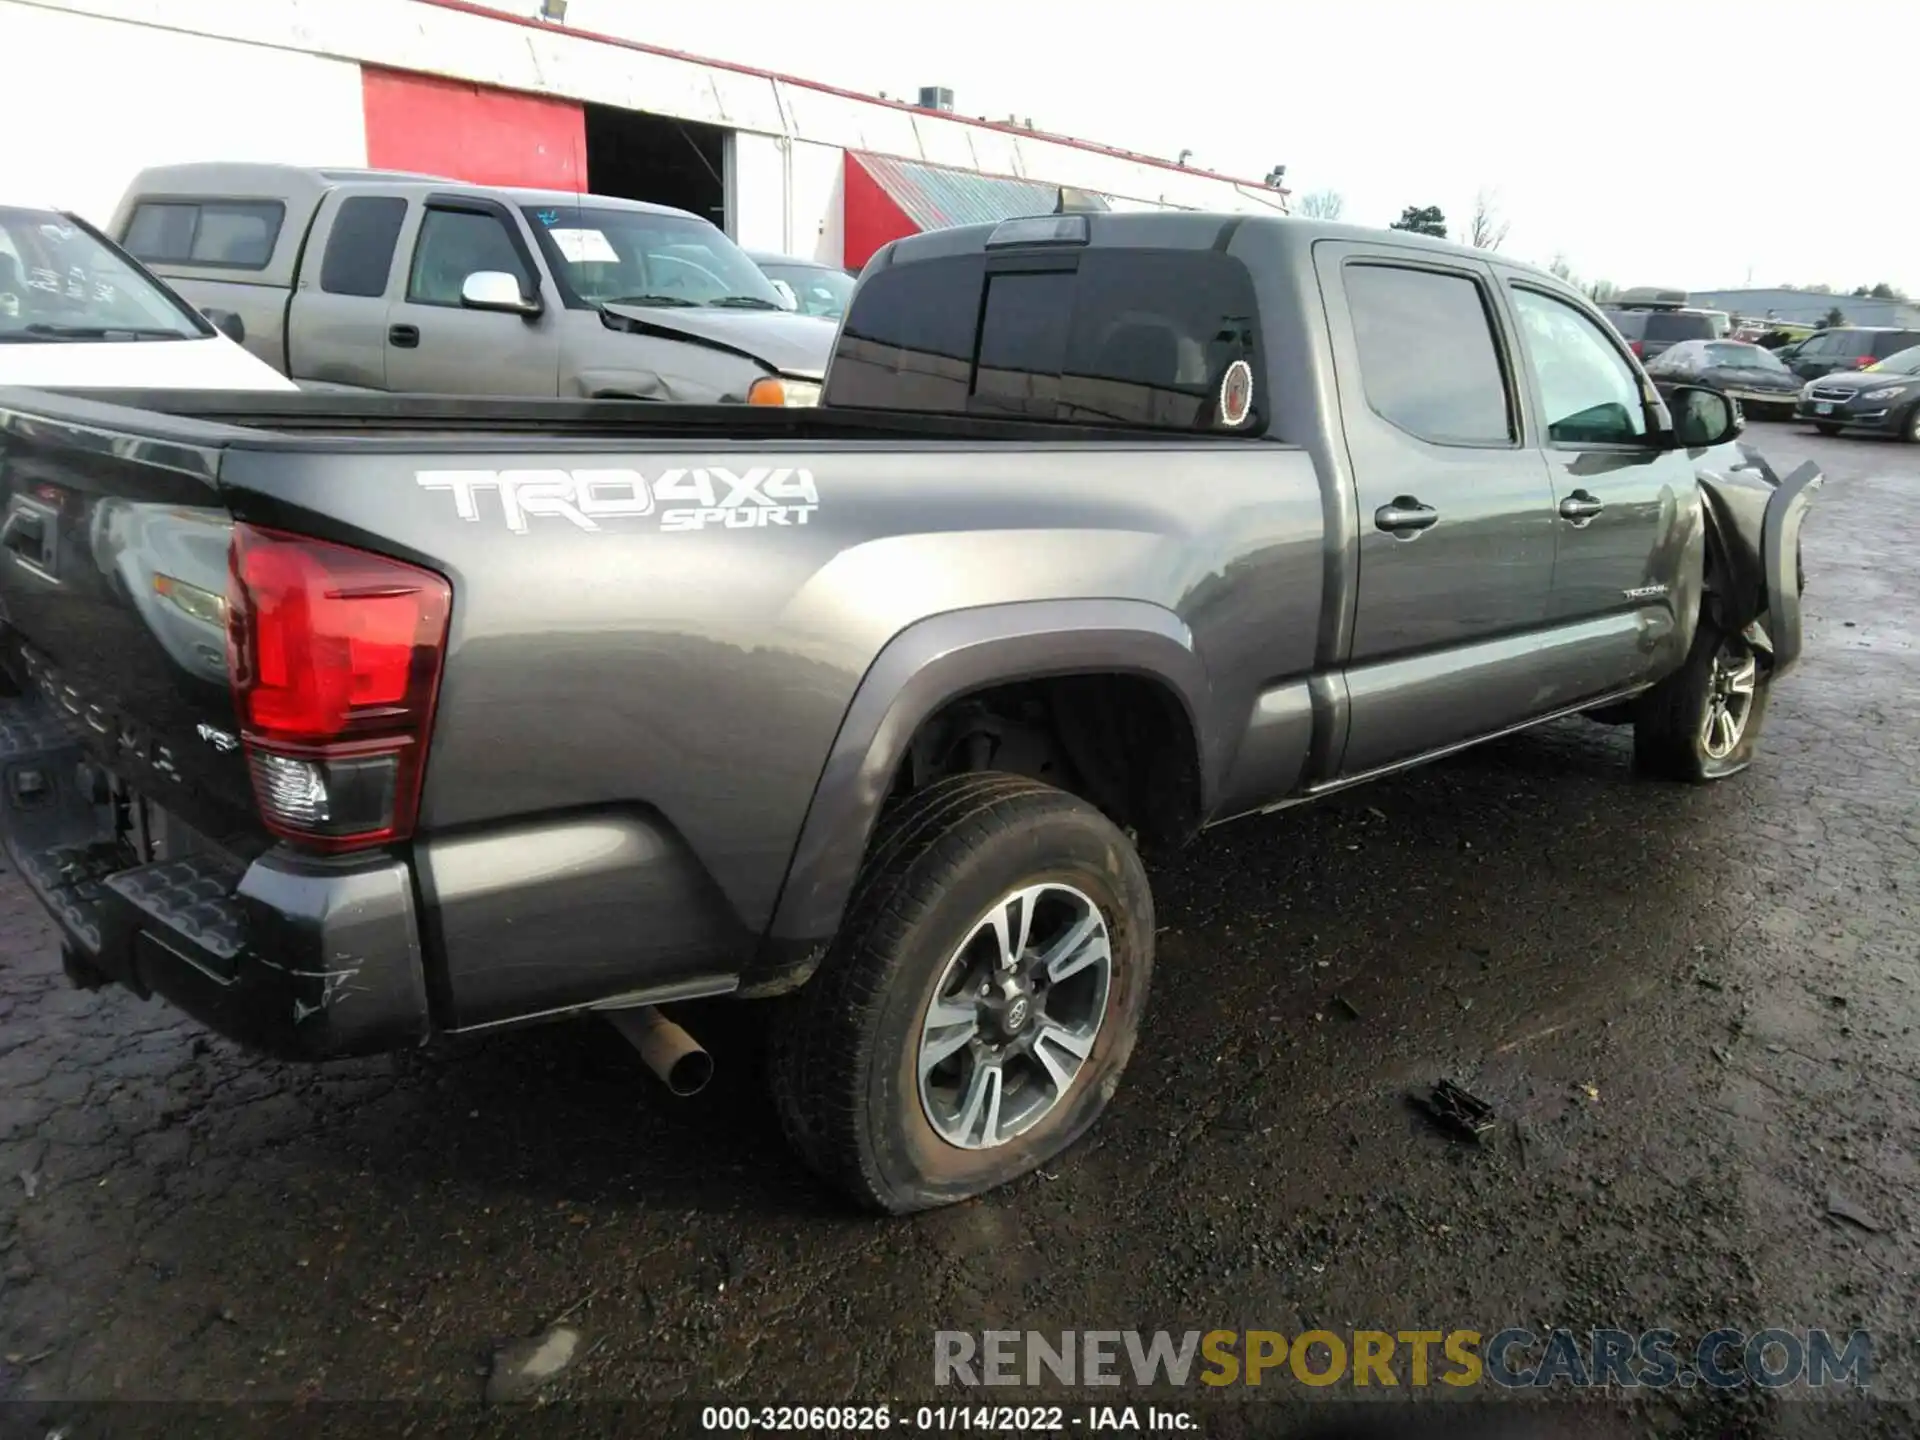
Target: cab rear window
pixel 1123 336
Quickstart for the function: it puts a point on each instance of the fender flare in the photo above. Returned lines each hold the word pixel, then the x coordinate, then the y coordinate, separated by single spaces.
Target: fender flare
pixel 1780 555
pixel 1753 531
pixel 938 660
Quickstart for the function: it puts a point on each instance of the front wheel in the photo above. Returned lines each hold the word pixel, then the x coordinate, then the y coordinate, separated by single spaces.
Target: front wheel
pixel 1910 432
pixel 1703 721
pixel 980 1001
pixel 1826 427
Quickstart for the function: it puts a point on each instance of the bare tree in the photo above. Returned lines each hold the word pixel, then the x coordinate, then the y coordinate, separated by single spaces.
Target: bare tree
pixel 1322 205
pixel 1486 231
pixel 1561 270
pixel 1601 291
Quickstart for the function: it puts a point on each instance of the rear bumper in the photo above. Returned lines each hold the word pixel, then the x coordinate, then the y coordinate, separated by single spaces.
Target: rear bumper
pixel 296 958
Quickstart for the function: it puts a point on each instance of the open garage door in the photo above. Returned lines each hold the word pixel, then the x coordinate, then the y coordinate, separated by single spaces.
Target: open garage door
pixel 663 161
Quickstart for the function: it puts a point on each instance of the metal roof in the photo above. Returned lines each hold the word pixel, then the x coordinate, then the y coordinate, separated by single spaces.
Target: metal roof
pixel 935 197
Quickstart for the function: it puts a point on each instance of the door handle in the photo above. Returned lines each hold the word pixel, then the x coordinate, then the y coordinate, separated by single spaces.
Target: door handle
pixel 1404 516
pixel 1580 507
pixel 405 336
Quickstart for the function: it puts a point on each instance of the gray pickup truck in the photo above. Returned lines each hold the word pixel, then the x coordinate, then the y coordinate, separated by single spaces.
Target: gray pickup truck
pixel 345 722
pixel 372 280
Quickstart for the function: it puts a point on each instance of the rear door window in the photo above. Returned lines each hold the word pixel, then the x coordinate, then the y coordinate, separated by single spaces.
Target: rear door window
pixel 1429 361
pixel 1893 342
pixel 220 234
pixel 360 246
pixel 1122 336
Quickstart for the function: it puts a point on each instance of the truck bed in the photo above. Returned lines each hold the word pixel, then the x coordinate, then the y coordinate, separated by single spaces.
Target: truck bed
pixel 648 716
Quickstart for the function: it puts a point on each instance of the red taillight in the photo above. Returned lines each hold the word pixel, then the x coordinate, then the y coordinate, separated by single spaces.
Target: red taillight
pixel 335 658
pixel 1637 348
pixel 1861 362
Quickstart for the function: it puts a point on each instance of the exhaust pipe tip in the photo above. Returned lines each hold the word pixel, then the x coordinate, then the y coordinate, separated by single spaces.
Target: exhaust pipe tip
pixel 680 1061
pixel 689 1074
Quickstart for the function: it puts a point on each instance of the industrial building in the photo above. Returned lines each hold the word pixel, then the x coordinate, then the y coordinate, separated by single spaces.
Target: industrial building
pixel 477 93
pixel 1808 307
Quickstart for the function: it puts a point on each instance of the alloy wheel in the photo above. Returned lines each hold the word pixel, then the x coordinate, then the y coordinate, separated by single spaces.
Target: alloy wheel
pixel 1730 692
pixel 1015 1016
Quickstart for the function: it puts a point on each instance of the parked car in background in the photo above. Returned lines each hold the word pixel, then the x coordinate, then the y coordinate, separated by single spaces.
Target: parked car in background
pixel 76 312
pixel 372 280
pixel 1649 330
pixel 1885 397
pixel 815 289
pixel 1751 375
pixel 1846 347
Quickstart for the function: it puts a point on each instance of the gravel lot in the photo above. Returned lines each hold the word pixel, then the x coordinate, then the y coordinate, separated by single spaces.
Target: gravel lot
pixel 1694 1009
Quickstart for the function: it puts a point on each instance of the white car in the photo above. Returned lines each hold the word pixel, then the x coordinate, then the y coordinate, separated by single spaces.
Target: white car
pixel 76 312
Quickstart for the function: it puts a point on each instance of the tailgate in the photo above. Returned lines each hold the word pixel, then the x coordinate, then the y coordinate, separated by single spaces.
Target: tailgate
pixel 113 577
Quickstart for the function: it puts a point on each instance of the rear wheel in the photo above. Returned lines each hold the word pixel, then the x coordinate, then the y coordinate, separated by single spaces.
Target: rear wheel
pixel 1703 721
pixel 1910 432
pixel 980 1001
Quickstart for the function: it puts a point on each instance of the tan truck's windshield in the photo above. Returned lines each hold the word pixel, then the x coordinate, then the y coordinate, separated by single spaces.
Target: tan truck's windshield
pixel 642 258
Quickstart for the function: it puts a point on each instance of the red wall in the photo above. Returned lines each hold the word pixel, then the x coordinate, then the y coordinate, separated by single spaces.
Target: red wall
pixel 469 132
pixel 871 217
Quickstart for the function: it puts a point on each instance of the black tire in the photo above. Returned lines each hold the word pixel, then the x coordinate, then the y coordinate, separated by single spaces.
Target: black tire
pixel 1670 724
pixel 1826 427
pixel 1910 431
pixel 842 1051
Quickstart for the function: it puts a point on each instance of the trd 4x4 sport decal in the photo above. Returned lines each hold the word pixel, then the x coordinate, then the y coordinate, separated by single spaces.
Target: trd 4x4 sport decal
pixel 696 499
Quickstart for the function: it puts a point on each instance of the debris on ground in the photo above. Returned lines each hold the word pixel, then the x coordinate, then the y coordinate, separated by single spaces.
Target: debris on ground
pixel 1592 1092
pixel 1456 1111
pixel 1723 1055
pixel 521 1367
pixel 1841 1208
pixel 1343 1006
pixel 30 1181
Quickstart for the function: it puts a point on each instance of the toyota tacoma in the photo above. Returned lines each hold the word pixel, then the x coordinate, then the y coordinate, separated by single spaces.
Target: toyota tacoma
pixel 345 722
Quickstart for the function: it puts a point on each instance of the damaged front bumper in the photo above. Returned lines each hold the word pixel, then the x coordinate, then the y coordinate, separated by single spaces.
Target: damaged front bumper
pixel 1756 519
pixel 297 958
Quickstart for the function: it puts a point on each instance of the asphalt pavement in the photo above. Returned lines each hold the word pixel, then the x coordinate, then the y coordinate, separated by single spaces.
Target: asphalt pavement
pixel 1692 1010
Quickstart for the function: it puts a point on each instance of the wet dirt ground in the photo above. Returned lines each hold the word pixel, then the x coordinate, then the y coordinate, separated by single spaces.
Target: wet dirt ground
pixel 1694 1011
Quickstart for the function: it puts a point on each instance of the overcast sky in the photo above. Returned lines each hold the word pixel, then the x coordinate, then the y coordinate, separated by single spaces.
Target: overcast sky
pixel 1690 143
